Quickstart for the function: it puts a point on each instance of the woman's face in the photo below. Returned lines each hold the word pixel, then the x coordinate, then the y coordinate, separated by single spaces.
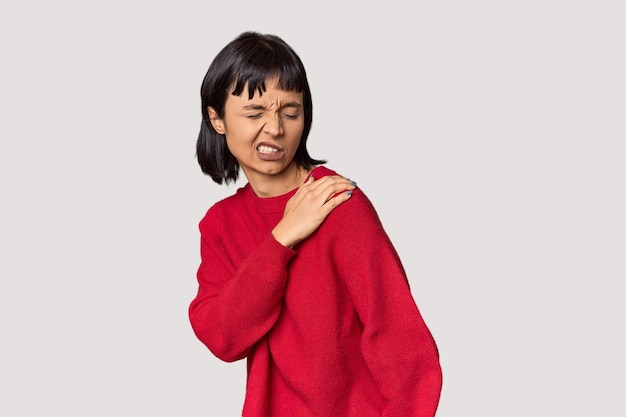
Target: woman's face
pixel 263 133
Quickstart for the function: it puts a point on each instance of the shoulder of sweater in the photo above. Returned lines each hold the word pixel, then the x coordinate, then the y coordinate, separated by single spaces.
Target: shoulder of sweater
pixel 322 171
pixel 359 201
pixel 358 212
pixel 224 205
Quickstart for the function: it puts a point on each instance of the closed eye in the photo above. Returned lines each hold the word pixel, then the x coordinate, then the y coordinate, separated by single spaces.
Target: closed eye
pixel 291 110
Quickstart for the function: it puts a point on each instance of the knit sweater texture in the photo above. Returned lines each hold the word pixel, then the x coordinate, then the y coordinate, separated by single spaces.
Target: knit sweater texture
pixel 329 328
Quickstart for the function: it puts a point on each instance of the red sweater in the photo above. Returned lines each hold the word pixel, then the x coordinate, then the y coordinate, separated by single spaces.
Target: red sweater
pixel 329 329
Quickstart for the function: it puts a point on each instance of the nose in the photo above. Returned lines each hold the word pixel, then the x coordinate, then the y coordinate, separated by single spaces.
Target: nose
pixel 273 125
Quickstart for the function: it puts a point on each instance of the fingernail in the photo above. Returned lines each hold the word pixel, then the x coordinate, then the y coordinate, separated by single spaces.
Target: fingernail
pixel 353 183
pixel 349 192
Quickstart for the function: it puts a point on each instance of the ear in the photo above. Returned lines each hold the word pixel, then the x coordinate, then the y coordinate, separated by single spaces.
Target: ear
pixel 216 121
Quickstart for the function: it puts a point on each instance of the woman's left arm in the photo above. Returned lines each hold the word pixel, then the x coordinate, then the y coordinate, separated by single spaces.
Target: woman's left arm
pixel 396 344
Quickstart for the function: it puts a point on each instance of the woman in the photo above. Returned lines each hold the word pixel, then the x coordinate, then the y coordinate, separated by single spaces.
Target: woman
pixel 297 273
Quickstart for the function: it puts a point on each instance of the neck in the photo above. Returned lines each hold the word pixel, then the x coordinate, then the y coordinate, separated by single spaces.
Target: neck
pixel 265 186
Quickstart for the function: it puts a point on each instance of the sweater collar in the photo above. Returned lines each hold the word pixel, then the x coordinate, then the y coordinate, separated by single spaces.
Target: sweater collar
pixel 277 204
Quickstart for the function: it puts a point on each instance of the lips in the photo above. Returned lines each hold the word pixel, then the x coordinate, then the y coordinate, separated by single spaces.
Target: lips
pixel 265 149
pixel 268 152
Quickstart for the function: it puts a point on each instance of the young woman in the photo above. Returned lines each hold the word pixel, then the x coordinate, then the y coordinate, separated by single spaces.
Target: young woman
pixel 297 273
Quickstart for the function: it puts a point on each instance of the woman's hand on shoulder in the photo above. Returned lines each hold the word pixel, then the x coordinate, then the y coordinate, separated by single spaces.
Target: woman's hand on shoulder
pixel 309 207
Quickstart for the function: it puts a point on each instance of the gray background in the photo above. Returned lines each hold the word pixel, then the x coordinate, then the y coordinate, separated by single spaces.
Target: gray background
pixel 489 135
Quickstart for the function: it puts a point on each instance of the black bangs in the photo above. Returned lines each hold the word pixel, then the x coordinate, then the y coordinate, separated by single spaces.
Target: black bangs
pixel 260 62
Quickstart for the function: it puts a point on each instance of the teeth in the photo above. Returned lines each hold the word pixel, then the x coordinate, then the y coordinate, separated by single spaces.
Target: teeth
pixel 267 149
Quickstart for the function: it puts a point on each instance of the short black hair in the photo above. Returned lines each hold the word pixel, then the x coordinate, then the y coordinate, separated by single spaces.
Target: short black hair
pixel 251 58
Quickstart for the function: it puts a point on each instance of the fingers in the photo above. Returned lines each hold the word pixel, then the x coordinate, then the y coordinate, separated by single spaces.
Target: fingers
pixel 328 188
pixel 338 198
pixel 337 191
pixel 307 209
pixel 330 179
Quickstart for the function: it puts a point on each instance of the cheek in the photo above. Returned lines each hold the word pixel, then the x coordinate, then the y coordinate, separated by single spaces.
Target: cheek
pixel 295 131
pixel 294 141
pixel 238 133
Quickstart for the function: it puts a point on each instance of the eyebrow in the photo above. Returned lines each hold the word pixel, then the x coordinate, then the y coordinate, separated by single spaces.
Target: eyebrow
pixel 259 107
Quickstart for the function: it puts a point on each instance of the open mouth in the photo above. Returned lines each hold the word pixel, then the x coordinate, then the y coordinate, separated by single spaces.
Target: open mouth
pixel 269 153
pixel 267 150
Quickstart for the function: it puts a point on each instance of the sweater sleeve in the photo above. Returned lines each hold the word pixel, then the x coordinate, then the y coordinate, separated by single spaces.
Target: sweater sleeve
pixel 397 346
pixel 237 303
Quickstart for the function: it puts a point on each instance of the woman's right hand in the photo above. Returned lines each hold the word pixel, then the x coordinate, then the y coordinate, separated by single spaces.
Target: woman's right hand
pixel 307 209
